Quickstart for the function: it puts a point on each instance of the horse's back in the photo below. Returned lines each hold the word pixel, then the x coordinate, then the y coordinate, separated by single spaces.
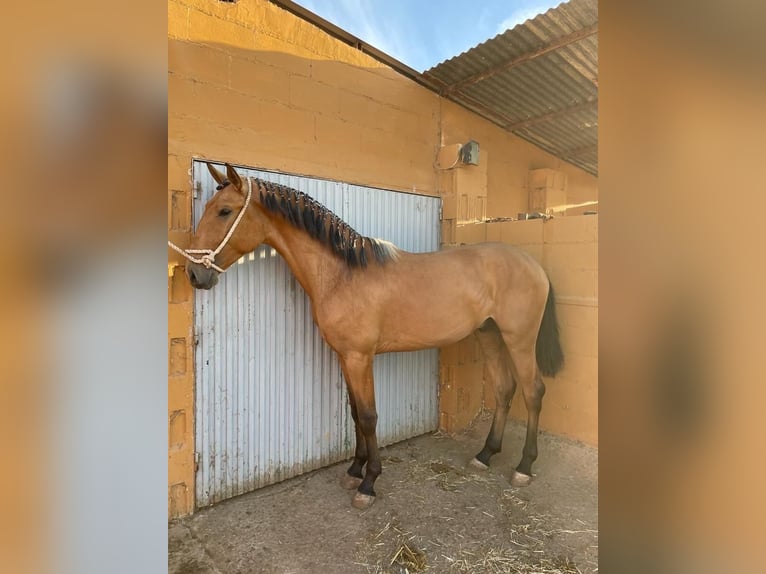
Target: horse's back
pixel 432 299
pixel 499 260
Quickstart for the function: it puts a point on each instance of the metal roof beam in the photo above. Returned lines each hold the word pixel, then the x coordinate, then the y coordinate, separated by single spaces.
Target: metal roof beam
pixel 555 45
pixel 556 114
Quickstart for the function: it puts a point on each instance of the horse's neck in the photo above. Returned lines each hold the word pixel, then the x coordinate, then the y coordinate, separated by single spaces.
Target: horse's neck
pixel 315 268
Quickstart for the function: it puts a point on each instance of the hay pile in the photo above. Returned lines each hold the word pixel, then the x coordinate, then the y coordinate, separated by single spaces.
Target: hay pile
pixel 459 546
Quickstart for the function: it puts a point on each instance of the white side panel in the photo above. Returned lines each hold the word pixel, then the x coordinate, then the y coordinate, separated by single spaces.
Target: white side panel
pixel 270 398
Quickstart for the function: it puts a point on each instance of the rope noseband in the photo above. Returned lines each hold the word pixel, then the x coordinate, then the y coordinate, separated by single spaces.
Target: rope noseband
pixel 208 257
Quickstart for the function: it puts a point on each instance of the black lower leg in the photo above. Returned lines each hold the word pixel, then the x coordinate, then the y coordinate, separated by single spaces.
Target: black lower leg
pixel 374 467
pixel 494 442
pixel 360 455
pixel 534 404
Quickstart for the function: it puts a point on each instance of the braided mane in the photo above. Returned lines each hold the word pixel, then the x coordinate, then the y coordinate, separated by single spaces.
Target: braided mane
pixel 304 212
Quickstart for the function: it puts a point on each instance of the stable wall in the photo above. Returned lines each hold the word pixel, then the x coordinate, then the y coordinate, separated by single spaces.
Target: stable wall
pixel 252 84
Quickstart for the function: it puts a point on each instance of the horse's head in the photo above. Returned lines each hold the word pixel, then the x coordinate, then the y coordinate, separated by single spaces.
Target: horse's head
pixel 220 215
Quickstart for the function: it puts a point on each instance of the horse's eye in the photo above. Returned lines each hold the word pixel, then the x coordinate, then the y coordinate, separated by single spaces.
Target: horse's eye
pixel 224 212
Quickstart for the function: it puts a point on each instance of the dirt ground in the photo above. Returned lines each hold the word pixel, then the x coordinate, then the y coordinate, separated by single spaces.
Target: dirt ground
pixel 432 514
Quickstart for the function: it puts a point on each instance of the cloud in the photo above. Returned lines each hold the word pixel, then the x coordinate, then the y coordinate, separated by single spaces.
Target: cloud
pixel 521 15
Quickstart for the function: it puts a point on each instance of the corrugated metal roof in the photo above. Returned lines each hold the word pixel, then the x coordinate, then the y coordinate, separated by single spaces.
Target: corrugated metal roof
pixel 538 80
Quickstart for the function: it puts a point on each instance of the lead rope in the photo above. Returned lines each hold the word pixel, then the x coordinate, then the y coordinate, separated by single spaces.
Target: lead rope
pixel 208 257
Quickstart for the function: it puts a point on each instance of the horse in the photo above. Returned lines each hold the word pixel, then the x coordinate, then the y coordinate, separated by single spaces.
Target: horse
pixel 369 297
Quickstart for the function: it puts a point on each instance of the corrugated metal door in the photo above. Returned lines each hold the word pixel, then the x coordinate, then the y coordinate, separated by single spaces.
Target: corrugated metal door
pixel 271 402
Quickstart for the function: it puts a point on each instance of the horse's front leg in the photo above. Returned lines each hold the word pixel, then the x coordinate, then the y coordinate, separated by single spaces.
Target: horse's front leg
pixel 357 368
pixel 352 478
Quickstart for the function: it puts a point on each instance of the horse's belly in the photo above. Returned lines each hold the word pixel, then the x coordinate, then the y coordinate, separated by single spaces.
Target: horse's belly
pixel 423 332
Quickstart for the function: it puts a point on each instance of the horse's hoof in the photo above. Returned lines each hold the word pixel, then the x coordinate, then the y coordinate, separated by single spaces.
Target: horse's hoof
pixel 362 501
pixel 350 482
pixel 477 464
pixel 519 479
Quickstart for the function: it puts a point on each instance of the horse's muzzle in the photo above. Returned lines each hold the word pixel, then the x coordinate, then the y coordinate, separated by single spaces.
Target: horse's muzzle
pixel 201 277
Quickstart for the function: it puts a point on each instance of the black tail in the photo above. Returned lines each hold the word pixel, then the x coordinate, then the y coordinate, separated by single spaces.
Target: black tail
pixel 550 357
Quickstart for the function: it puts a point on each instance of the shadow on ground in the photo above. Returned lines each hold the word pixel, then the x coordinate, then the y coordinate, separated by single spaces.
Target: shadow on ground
pixel 432 515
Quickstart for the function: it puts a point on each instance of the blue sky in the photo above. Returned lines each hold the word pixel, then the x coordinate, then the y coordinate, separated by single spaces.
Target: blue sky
pixel 422 33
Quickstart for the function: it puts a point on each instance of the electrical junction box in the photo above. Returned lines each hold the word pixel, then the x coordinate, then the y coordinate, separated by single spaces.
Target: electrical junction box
pixel 469 153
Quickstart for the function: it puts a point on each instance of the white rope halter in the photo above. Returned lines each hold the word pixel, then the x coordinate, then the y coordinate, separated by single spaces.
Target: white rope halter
pixel 208 257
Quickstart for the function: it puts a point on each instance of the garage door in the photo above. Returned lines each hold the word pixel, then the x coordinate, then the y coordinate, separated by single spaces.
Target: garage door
pixel 270 398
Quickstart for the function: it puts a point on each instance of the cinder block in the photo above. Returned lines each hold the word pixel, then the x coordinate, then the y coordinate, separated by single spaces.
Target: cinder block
pixel 179 178
pixel 206 28
pixel 547 178
pixel 283 55
pixel 571 256
pixel 579 340
pixel 522 232
pixel 448 231
pixel 493 231
pixel 177 428
pixel 308 94
pixel 470 233
pixel 358 109
pixel 180 211
pixel 334 135
pixel 291 124
pixel 336 73
pixel 572 229
pixel 177 356
pixel 536 250
pixel 471 180
pixel 578 316
pixel 198 62
pixel 179 503
pixel 506 201
pixel 180 290
pixel 392 90
pixel 449 206
pixel 260 80
pixel 479 212
pixel 379 144
pixel 578 283
pixel 546 200
pixel 178 20
pixel 219 105
pixel 182 95
pixel 181 393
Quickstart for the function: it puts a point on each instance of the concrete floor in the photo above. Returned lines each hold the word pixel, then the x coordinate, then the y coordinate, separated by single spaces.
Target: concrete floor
pixel 432 514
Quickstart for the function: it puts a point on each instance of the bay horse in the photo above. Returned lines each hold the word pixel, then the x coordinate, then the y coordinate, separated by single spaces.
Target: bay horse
pixel 369 297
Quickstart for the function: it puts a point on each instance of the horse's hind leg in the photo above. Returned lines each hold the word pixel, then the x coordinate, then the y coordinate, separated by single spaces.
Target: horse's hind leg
pixel 524 365
pixel 497 364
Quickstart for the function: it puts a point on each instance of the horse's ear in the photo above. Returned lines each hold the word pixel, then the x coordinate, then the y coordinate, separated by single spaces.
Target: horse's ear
pixel 233 176
pixel 217 175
